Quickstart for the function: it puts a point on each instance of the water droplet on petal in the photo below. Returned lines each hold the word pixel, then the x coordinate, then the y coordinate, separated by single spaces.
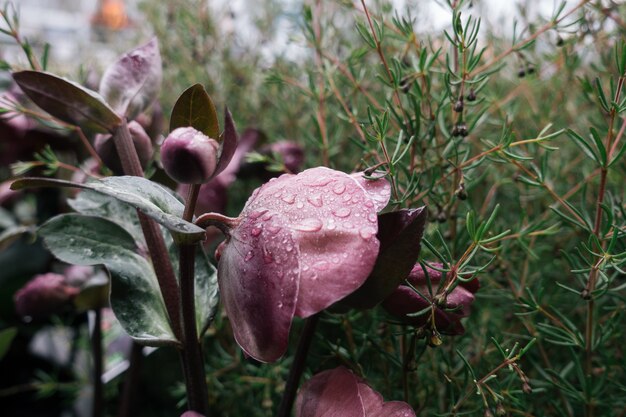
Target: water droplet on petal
pixel 248 256
pixel 305 267
pixel 348 225
pixel 257 213
pixel 369 203
pixel 267 257
pixel 321 265
pixel 309 225
pixel 331 225
pixel 321 182
pixel 279 305
pixel 289 198
pixel 267 216
pixel 316 200
pixel 273 229
pixel 256 231
pixel 289 248
pixel 372 217
pixel 299 204
pixel 367 232
pixel 339 188
pixel 342 212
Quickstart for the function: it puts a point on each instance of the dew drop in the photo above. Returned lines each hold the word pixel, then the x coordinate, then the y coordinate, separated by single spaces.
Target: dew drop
pixel 331 225
pixel 315 199
pixel 256 231
pixel 342 212
pixel 289 248
pixel 267 216
pixel 348 225
pixel 369 203
pixel 279 305
pixel 309 225
pixel 367 232
pixel 257 213
pixel 305 267
pixel 321 265
pixel 299 204
pixel 273 229
pixel 372 217
pixel 289 198
pixel 321 182
pixel 248 256
pixel 339 188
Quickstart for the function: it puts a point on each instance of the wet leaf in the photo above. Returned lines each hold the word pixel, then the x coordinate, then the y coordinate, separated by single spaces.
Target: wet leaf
pixel 132 83
pixel 400 233
pixel 195 108
pixel 68 101
pixel 94 293
pixel 151 198
pixel 92 203
pixel 135 296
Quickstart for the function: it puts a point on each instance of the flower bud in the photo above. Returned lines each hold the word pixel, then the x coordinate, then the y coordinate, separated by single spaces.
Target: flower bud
pixel 105 147
pixel 45 294
pixel 189 156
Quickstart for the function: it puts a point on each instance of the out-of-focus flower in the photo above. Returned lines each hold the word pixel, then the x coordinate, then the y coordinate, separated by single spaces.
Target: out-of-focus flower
pixel 105 147
pixel 445 319
pixel 340 393
pixel 44 295
pixel 191 414
pixel 301 243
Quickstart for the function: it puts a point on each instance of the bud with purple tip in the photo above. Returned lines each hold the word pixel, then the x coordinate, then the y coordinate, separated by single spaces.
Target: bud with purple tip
pixel 189 156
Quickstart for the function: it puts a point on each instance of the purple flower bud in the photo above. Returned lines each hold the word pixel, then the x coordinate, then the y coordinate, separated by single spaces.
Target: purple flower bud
pixel 43 295
pixel 189 156
pixel 340 393
pixel 447 319
pixel 105 147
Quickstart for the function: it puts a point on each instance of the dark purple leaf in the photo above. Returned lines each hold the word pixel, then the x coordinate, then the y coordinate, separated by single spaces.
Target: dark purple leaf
pixel 228 142
pixel 132 83
pixel 400 233
pixel 195 108
pixel 68 101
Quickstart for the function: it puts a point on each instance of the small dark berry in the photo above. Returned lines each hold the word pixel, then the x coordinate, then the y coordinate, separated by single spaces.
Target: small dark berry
pixel 406 83
pixel 458 106
pixel 462 129
pixel 461 193
pixel 521 73
pixel 441 217
pixel 455 131
pixel 472 95
pixel 560 41
pixel 530 70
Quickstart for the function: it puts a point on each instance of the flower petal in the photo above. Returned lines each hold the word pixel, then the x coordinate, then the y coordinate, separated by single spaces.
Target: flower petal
pixel 258 277
pixel 331 393
pixel 334 223
pixel 379 190
pixel 375 407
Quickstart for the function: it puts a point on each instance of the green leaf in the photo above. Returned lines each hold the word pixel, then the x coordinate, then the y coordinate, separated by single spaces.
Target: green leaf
pixel 206 292
pixel 92 203
pixel 94 293
pixel 152 199
pixel 68 101
pixel 195 108
pixel 135 296
pixel 6 337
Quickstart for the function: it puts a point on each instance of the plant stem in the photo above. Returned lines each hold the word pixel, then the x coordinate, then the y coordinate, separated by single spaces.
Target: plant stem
pixel 131 381
pixel 96 349
pixel 297 367
pixel 191 355
pixel 154 240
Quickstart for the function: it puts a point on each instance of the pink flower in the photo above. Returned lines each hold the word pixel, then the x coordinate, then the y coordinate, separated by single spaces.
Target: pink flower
pixel 301 243
pixel 447 319
pixel 340 393
pixel 43 295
